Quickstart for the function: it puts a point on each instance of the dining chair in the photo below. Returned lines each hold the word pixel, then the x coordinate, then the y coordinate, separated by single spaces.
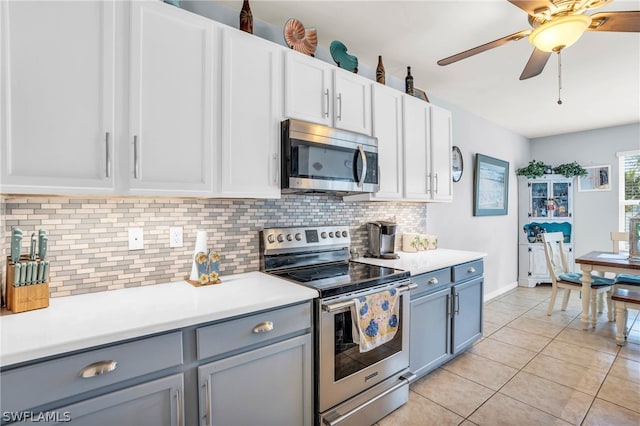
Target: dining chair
pixel 624 299
pixel 624 280
pixel 562 277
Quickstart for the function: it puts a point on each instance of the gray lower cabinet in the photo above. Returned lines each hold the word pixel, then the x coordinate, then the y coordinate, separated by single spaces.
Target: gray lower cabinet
pixel 446 315
pixel 266 386
pixel 252 370
pixel 159 402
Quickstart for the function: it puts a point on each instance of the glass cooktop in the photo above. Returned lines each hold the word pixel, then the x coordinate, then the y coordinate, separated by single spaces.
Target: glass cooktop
pixel 334 279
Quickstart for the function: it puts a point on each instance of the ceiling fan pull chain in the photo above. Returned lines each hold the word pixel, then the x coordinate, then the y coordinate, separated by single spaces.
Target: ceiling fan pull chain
pixel 559 77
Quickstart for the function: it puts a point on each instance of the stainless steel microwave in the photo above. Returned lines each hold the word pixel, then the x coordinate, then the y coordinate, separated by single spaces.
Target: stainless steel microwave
pixel 317 158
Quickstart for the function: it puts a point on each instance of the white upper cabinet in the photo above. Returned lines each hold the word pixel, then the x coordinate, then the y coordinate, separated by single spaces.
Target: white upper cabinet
pixel 441 151
pixel 251 115
pixel 172 114
pixel 417 179
pixel 321 93
pixel 58 96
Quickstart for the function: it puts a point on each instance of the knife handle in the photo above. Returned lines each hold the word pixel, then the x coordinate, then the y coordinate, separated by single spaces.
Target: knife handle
pixel 27 280
pixel 16 245
pixel 46 271
pixel 16 274
pixel 34 273
pixel 40 272
pixel 23 273
pixel 32 248
pixel 42 248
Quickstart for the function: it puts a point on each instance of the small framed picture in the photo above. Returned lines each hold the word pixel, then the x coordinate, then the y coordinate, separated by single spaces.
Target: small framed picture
pixel 596 179
pixel 419 93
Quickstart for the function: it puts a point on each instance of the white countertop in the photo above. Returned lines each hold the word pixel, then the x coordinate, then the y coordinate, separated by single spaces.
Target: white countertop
pixel 425 261
pixel 77 322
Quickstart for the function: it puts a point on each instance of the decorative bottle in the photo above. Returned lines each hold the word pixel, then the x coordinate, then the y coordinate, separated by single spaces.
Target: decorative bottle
pixel 408 82
pixel 246 18
pixel 380 71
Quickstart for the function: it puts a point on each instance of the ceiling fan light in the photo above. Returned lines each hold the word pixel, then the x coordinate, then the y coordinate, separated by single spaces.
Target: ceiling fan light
pixel 559 33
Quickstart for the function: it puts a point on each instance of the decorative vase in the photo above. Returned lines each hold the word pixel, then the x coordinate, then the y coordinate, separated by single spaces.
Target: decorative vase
pixel 246 18
pixel 408 82
pixel 380 71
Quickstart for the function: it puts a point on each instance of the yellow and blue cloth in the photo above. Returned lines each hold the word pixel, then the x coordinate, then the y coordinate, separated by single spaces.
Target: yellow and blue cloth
pixel 375 319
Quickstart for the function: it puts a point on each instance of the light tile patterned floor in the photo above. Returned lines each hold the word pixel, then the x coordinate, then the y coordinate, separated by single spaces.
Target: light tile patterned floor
pixel 529 369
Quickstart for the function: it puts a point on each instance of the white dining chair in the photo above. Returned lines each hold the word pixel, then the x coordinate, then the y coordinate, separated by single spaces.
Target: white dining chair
pixel 562 277
pixel 623 280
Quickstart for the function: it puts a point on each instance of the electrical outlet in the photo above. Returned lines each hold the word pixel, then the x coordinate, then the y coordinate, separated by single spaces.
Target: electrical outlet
pixel 136 239
pixel 175 236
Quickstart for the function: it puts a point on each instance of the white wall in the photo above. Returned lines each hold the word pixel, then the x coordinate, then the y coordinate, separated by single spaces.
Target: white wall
pixel 454 222
pixel 595 213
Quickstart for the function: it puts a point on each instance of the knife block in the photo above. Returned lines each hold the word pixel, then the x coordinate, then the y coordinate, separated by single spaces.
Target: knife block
pixel 26 297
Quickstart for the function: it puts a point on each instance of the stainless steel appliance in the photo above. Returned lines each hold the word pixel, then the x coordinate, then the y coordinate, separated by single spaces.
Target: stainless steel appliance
pixel 382 239
pixel 352 388
pixel 317 158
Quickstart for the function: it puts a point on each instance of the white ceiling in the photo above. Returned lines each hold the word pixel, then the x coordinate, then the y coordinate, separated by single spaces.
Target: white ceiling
pixel 601 72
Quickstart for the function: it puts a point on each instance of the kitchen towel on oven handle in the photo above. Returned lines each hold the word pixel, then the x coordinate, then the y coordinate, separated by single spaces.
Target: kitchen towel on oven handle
pixel 375 319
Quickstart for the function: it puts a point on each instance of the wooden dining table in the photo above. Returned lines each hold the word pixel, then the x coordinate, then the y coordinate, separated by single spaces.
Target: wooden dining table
pixel 601 262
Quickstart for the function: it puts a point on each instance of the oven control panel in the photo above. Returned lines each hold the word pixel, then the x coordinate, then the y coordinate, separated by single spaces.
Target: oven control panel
pixel 302 238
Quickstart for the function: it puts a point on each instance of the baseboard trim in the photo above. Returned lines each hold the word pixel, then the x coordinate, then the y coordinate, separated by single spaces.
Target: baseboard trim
pixel 500 291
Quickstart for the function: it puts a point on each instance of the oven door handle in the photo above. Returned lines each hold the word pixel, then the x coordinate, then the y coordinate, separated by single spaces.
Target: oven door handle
pixel 333 307
pixel 337 418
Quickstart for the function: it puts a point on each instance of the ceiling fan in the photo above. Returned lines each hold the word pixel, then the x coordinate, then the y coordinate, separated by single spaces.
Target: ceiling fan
pixel 556 24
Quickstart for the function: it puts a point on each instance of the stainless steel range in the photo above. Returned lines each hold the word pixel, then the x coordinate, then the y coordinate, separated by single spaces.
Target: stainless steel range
pixel 351 387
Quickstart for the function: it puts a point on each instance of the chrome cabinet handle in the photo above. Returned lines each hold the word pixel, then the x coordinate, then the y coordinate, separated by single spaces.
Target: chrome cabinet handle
pixel 448 306
pixel 276 172
pixel 339 116
pixel 207 404
pixel 326 104
pixel 433 280
pixel 428 182
pixel 457 303
pixel 363 156
pixel 136 163
pixel 436 183
pixel 263 327
pixel 108 156
pixel 471 270
pixel 98 368
pixel 178 408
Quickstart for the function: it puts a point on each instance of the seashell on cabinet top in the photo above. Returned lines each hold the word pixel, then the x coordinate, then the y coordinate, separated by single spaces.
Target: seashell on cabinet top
pixel 300 39
pixel 342 58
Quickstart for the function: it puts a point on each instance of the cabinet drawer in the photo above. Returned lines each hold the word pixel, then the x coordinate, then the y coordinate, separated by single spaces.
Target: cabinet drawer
pixel 468 270
pixel 431 281
pixel 45 382
pixel 234 334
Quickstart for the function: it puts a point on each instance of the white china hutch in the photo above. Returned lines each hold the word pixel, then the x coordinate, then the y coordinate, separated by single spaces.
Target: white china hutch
pixel 545 205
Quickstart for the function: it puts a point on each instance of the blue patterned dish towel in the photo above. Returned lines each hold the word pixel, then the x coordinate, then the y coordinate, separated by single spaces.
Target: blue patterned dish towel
pixel 375 319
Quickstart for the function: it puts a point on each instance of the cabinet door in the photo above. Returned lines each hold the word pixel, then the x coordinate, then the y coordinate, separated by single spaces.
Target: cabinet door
pixel 430 331
pixel 538 195
pixel 267 386
pixel 538 263
pixel 416 148
pixel 172 115
pixel 441 145
pixel 160 402
pixel 562 195
pixel 467 314
pixel 387 127
pixel 58 96
pixel 308 89
pixel 251 116
pixel 352 97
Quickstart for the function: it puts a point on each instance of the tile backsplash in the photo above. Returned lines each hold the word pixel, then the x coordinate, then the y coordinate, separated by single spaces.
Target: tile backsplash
pixel 88 237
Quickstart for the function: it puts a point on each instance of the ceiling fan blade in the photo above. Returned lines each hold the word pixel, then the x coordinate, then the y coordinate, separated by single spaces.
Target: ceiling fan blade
pixel 536 64
pixel 479 49
pixel 530 6
pixel 628 22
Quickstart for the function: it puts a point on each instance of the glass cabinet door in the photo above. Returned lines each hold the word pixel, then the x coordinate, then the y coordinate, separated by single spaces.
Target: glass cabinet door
pixel 539 196
pixel 561 199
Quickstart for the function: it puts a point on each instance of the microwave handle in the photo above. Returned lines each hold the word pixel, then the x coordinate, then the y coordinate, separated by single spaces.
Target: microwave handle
pixel 362 177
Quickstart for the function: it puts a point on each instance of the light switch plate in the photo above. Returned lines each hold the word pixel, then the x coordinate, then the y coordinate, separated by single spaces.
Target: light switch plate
pixel 136 239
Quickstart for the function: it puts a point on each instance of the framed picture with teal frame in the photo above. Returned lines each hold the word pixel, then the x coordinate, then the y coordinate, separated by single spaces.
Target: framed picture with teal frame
pixel 490 186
